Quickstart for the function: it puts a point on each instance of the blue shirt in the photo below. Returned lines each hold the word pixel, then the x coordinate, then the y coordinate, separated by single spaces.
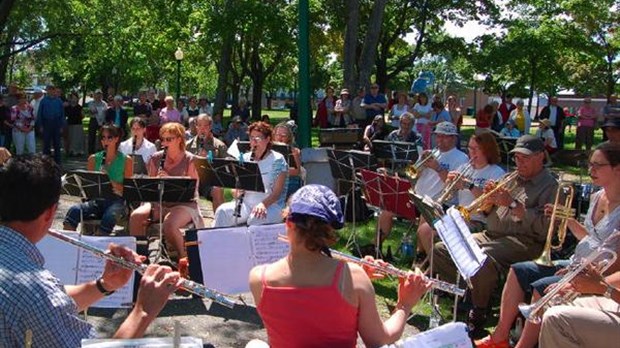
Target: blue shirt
pixel 31 297
pixel 51 112
pixel 369 99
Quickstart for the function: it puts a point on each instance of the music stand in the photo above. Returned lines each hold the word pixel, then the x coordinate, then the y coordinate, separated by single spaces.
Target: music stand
pixel 139 167
pixel 230 173
pixel 389 193
pixel 343 165
pixel 88 185
pixel 397 152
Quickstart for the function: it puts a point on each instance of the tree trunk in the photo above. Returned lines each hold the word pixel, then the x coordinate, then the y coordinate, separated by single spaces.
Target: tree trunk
pixel 5 9
pixel 350 44
pixel 225 57
pixel 369 50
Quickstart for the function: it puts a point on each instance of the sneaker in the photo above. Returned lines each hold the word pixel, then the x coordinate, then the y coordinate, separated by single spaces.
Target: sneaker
pixel 488 342
pixel 475 323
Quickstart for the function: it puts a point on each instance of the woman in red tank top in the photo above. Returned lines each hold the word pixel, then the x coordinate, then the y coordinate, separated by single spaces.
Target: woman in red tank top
pixel 309 299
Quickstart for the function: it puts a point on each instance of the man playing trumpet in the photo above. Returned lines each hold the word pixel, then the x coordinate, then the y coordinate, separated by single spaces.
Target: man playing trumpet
pixel 509 238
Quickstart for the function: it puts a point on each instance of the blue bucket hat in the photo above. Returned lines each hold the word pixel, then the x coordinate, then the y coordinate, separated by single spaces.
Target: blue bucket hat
pixel 317 201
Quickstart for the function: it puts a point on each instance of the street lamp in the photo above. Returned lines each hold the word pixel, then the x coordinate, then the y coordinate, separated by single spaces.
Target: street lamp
pixel 114 71
pixel 477 79
pixel 296 73
pixel 178 55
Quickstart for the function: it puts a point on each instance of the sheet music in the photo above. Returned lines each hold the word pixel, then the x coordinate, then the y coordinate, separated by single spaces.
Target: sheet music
pixel 60 258
pixel 227 255
pixel 233 150
pixel 465 252
pixel 153 342
pixel 225 258
pixel 266 248
pixel 452 335
pixel 91 267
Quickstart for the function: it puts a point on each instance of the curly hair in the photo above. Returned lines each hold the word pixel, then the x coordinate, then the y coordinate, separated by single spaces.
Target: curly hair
pixel 262 127
pixel 175 129
pixel 316 234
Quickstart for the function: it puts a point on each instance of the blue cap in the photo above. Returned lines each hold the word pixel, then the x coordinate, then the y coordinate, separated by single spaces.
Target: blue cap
pixel 317 201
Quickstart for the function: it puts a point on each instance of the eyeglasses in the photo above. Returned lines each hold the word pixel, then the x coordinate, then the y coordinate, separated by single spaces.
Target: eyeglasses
pixel 284 135
pixel 595 165
pixel 257 138
pixel 168 139
pixel 107 137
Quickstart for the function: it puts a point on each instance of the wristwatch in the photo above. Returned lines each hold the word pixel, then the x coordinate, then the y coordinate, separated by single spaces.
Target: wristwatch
pixel 471 186
pixel 513 205
pixel 608 291
pixel 101 288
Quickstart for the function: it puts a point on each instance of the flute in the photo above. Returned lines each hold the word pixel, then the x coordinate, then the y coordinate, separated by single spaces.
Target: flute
pixel 187 285
pixel 391 271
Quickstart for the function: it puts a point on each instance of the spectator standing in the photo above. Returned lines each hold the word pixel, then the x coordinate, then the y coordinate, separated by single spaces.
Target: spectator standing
pixel 51 121
pixel 325 110
pixel 555 115
pixel 169 113
pixel 5 122
pixel 36 99
pixel 358 113
pixel 521 118
pixel 422 111
pixel 400 107
pixel 506 108
pixel 192 109
pixel 97 109
pixel 374 103
pixel 143 109
pixel 342 110
pixel 456 114
pixel 23 120
pixel 75 128
pixel 117 115
pixel 585 125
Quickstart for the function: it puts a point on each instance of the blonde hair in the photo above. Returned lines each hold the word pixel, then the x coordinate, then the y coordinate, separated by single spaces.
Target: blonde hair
pixel 175 129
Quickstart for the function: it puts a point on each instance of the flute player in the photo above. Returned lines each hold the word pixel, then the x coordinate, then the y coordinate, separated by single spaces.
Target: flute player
pixel 31 298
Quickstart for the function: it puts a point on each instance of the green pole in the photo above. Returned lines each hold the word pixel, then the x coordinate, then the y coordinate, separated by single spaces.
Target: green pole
pixel 178 80
pixel 303 102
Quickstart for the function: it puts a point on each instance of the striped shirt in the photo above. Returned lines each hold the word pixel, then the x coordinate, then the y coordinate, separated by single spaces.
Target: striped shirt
pixel 32 298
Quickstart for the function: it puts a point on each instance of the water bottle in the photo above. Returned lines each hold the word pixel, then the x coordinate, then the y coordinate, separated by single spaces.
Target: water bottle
pixel 210 156
pixel 407 246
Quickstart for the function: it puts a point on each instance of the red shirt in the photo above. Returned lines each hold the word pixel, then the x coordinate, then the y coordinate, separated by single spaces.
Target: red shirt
pixel 308 317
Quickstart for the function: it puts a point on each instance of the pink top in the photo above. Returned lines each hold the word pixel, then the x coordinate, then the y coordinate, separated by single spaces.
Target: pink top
pixel 587 116
pixel 308 317
pixel 169 115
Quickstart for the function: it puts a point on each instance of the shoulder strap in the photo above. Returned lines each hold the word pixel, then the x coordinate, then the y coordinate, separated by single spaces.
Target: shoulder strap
pixel 336 279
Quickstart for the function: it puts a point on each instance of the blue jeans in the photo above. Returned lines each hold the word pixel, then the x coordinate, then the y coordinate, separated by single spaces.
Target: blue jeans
pixel 51 134
pixel 532 276
pixel 109 211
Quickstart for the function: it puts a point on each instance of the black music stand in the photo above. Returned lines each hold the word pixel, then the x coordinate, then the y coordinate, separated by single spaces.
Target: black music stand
pixel 87 185
pixel 399 153
pixel 230 173
pixel 343 165
pixel 139 167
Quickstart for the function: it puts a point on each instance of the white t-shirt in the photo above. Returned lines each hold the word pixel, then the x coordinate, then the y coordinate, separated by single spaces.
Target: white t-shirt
pixel 396 112
pixel 479 178
pixel 429 183
pixel 146 150
pixel 271 166
pixel 424 110
pixel 547 134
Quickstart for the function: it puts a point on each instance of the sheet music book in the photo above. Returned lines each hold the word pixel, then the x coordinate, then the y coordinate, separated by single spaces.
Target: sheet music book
pixel 228 254
pixel 153 342
pixel 465 252
pixel 73 265
pixel 452 335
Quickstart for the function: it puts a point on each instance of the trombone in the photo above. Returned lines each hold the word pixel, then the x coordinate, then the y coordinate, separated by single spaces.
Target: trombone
pixel 479 204
pixel 561 212
pixel 413 171
pixel 450 187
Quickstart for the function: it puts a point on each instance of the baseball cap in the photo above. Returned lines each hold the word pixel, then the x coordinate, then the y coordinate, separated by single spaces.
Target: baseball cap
pixel 236 119
pixel 546 122
pixel 317 201
pixel 528 144
pixel 612 122
pixel 447 128
pixel 98 91
pixel 344 91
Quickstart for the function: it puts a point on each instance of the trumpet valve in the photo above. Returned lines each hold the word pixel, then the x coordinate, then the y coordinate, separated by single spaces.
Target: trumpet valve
pixel 465 213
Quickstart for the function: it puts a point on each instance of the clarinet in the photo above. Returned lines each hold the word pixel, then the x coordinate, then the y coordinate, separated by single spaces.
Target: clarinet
pixel 133 146
pixel 162 160
pixel 237 212
pixel 201 143
pixel 105 151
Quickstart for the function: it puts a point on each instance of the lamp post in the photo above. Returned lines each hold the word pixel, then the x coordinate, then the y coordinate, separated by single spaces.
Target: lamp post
pixel 178 55
pixel 477 79
pixel 114 71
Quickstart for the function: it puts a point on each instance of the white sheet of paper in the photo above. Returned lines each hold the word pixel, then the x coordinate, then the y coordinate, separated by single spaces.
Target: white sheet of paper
pixel 60 258
pixel 452 335
pixel 91 267
pixel 266 248
pixel 233 150
pixel 154 342
pixel 225 259
pixel 465 252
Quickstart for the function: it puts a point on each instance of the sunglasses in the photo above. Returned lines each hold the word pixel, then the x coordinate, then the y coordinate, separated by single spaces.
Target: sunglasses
pixel 107 137
pixel 168 139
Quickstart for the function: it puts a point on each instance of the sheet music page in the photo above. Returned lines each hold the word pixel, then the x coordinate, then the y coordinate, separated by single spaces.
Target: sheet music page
pixel 266 248
pixel 233 150
pixel 465 252
pixel 452 335
pixel 60 258
pixel 225 258
pixel 91 267
pixel 154 342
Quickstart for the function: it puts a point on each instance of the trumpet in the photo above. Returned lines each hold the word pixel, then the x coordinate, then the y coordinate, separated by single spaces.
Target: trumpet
pixel 450 187
pixel 534 312
pixel 561 212
pixel 395 272
pixel 187 285
pixel 508 182
pixel 413 170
